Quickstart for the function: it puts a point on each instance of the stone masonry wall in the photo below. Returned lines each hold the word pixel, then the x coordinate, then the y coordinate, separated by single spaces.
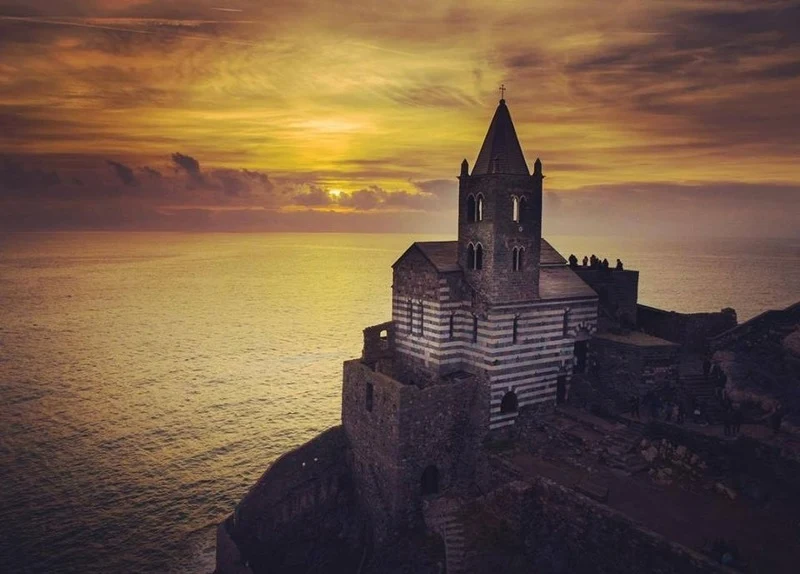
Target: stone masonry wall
pixel 622 371
pixel 406 430
pixel 618 290
pixel 498 234
pixel 690 330
pixel 551 529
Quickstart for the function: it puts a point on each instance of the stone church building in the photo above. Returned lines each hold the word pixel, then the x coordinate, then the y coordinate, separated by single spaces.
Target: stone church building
pixel 483 329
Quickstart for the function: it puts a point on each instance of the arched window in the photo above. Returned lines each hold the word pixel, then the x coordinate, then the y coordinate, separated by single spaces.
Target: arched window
pixel 516 258
pixel 452 325
pixel 514 329
pixel 514 208
pixel 479 256
pixel 429 483
pixel 470 256
pixel 509 404
pixel 566 321
pixel 470 209
pixel 474 328
pixel 479 208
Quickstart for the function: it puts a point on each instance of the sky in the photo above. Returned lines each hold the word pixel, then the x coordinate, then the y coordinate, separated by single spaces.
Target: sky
pixel 660 117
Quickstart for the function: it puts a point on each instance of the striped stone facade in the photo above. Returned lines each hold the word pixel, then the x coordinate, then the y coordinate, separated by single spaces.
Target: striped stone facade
pixel 522 348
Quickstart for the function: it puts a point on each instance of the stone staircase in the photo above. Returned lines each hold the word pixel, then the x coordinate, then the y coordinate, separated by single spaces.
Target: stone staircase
pixel 620 449
pixel 695 384
pixel 441 515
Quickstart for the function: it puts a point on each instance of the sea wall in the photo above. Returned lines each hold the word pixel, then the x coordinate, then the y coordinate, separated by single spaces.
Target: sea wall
pixel 690 330
pixel 540 526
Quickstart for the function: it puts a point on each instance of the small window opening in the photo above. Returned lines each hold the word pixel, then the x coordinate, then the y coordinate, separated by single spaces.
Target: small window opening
pixel 516 258
pixel 470 209
pixel 384 335
pixel 370 392
pixel 509 404
pixel 514 208
pixel 479 208
pixel 479 256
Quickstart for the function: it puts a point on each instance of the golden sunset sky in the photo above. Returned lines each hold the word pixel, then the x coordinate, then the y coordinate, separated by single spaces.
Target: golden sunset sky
pixel 649 116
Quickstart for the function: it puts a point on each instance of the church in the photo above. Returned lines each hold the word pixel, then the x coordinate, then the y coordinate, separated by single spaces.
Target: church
pixel 484 329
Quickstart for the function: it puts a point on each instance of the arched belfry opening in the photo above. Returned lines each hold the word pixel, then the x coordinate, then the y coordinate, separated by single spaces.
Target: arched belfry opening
pixel 510 403
pixel 429 483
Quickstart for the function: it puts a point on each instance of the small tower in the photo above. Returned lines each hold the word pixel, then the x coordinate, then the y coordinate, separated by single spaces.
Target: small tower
pixel 500 217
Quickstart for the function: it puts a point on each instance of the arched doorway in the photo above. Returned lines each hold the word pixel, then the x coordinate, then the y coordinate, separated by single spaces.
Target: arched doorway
pixel 510 403
pixel 429 484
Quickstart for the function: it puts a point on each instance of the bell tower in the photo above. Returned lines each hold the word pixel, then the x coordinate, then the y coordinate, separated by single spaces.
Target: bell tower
pixel 500 217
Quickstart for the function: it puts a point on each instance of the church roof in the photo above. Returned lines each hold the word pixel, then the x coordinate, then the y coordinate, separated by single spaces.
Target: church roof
pixel 444 254
pixel 501 152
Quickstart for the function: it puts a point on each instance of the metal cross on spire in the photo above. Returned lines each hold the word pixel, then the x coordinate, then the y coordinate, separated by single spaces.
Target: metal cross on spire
pixel 502 91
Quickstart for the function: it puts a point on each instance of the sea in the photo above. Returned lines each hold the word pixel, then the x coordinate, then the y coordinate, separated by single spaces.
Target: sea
pixel 147 380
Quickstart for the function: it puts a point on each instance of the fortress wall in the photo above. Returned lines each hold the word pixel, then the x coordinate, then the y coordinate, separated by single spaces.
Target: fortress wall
pixel 555 529
pixel 308 484
pixel 408 429
pixel 623 370
pixel 690 330
pixel 618 290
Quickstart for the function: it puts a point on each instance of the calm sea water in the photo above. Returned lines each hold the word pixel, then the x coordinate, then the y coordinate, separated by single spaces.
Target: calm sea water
pixel 146 380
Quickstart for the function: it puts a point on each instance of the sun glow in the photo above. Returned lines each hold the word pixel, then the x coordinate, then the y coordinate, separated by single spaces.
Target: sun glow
pixel 335 193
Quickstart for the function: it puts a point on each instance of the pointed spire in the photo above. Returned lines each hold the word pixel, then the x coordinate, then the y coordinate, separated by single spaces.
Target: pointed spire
pixel 501 152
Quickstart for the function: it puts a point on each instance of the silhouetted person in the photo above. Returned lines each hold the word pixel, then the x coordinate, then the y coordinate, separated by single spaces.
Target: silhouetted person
pixel 593 261
pixel 619 265
pixel 736 420
pixel 605 263
pixel 573 261
pixel 585 261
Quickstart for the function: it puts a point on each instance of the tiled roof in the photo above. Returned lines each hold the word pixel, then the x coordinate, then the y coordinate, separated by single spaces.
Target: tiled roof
pixel 443 254
pixel 560 282
pixel 501 152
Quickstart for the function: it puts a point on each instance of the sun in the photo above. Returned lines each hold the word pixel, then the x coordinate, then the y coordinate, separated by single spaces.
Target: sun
pixel 335 193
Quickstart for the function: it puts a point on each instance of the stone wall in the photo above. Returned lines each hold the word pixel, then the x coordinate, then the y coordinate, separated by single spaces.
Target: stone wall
pixel 740 459
pixel 397 431
pixel 620 370
pixel 690 330
pixel 618 291
pixel 305 494
pixel 540 526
